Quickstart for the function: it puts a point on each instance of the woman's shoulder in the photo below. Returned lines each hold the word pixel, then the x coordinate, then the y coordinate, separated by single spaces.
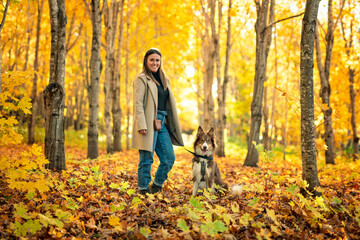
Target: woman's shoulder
pixel 143 76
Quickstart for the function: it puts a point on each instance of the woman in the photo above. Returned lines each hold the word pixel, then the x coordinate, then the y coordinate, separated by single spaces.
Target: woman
pixel 153 99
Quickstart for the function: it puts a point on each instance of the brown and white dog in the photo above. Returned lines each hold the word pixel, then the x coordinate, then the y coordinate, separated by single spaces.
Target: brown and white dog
pixel 205 170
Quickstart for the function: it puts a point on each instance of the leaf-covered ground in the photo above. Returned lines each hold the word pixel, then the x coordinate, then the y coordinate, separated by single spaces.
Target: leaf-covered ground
pixel 98 200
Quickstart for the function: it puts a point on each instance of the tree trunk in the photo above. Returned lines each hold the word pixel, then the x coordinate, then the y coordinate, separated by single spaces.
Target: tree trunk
pixel 94 87
pixel 127 87
pixel 81 87
pixel 27 48
pixel 221 118
pixel 209 44
pixel 1 26
pixel 110 20
pixel 324 72
pixel 267 134
pixel 222 90
pixel 286 103
pixel 272 118
pixel 252 156
pixel 54 94
pixel 353 114
pixel 116 108
pixel 348 47
pixel 308 152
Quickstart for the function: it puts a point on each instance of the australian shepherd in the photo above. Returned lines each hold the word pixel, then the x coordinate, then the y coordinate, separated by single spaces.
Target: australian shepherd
pixel 205 170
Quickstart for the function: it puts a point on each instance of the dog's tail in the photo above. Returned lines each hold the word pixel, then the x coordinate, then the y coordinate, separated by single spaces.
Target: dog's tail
pixel 236 189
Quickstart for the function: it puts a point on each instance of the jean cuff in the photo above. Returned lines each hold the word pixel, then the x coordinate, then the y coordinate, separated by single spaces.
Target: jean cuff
pixel 142 188
pixel 157 184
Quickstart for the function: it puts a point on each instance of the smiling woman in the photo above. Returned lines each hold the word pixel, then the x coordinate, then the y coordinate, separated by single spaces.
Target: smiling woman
pixel 154 102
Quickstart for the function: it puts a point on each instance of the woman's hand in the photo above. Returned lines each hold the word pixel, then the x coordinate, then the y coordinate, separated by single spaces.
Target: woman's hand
pixel 143 131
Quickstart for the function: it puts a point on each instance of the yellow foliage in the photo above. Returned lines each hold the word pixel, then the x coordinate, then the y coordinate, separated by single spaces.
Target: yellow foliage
pixel 26 172
pixel 9 100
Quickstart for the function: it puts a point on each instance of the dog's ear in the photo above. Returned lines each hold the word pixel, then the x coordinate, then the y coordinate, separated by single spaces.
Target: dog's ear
pixel 211 132
pixel 200 131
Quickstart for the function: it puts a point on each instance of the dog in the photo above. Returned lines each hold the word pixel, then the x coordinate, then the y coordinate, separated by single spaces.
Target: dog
pixel 205 170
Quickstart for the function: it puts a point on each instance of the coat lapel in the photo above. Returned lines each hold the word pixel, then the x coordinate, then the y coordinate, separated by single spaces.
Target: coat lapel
pixel 153 90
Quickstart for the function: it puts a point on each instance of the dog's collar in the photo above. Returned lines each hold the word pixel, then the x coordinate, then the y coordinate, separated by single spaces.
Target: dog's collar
pixel 200 156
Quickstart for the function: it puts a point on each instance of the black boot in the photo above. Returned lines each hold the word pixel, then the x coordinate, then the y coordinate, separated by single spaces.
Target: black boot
pixel 155 188
pixel 144 191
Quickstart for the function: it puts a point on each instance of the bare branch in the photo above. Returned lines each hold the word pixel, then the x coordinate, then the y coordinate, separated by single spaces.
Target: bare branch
pixel 284 19
pixel 4 16
pixel 337 20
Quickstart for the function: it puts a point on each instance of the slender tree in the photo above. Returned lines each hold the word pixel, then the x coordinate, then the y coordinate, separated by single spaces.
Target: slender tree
pixel 110 20
pixel 94 86
pixel 116 107
pixel 1 27
pixel 308 152
pixel 222 89
pixel 349 49
pixel 209 42
pixel 324 72
pixel 252 156
pixel 32 119
pixel 54 94
pixel 266 134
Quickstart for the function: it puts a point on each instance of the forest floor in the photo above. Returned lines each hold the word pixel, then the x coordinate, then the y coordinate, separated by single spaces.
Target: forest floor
pixel 97 199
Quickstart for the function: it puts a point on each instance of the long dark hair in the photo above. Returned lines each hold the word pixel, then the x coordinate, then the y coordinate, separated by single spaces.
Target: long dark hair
pixel 148 72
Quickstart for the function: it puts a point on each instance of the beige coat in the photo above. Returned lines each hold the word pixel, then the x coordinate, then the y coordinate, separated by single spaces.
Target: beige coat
pixel 145 108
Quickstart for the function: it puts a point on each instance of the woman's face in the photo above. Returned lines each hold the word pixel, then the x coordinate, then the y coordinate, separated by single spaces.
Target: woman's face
pixel 153 62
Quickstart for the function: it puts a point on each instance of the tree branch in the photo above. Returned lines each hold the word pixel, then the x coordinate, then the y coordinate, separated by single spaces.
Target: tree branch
pixel 4 16
pixel 284 19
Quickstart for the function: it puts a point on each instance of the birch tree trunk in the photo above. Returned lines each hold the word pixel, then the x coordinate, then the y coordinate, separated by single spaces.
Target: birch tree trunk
pixel 94 87
pixel 110 20
pixel 252 156
pixel 308 152
pixel 32 119
pixel 116 108
pixel 54 94
pixel 222 89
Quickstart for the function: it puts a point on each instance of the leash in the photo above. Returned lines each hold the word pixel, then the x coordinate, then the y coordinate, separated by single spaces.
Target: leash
pixel 196 155
pixel 203 166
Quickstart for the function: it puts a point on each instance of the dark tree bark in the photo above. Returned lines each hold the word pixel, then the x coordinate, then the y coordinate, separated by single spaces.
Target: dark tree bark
pixel 94 87
pixel 308 152
pixel 252 156
pixel 54 94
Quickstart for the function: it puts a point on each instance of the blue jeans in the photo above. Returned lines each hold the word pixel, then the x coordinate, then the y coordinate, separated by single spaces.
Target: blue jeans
pixel 163 147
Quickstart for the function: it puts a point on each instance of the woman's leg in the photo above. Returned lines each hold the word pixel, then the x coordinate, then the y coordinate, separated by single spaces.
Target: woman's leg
pixel 144 167
pixel 165 151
